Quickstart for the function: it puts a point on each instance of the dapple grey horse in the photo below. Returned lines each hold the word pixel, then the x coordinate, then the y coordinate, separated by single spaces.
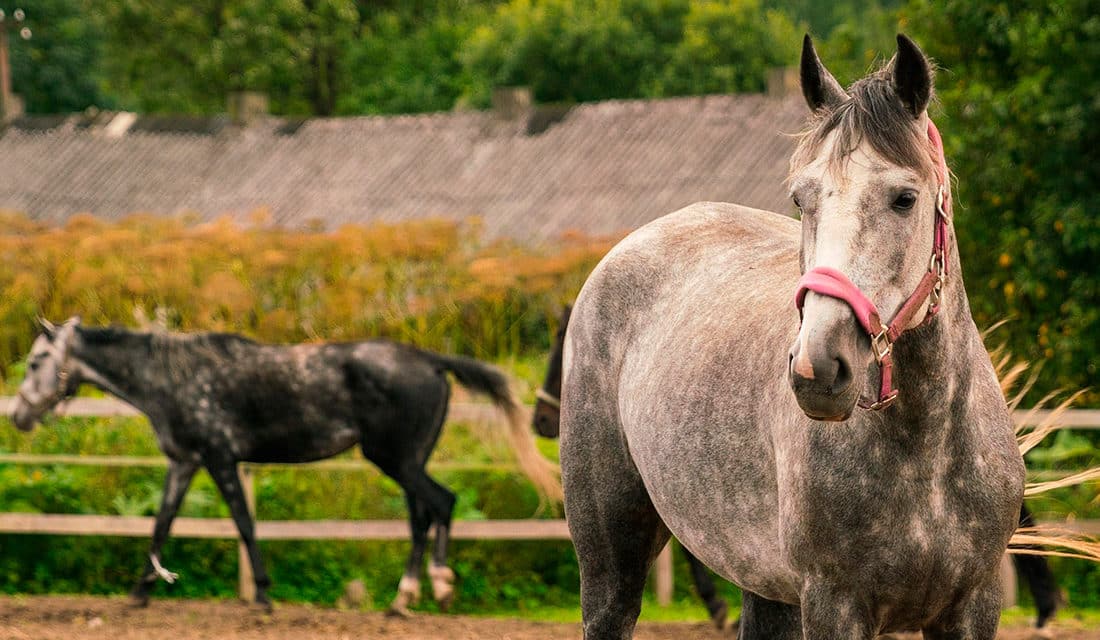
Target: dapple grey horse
pixel 854 477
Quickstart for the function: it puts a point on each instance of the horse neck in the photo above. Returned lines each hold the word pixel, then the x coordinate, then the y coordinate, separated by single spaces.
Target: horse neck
pixel 552 384
pixel 934 363
pixel 119 362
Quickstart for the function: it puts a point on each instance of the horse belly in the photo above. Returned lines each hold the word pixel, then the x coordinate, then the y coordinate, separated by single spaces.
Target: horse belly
pixel 718 501
pixel 301 445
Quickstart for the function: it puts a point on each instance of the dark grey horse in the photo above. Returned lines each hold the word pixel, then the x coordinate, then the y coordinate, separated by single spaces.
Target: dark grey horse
pixel 695 404
pixel 1034 569
pixel 218 399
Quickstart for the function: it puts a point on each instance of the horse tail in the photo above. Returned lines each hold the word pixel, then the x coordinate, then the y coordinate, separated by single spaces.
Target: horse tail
pixel 486 379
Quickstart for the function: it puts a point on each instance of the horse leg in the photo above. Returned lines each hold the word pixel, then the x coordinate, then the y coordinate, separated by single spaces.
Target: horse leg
pixel 832 613
pixel 229 484
pixel 976 618
pixel 176 482
pixel 420 520
pixel 615 529
pixel 1039 579
pixel 704 585
pixel 441 504
pixel 763 618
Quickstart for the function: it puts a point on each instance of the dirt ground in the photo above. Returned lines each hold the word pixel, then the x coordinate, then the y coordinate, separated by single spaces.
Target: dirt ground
pixel 97 618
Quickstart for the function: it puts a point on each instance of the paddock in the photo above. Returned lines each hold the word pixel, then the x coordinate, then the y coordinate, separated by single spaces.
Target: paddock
pixel 110 618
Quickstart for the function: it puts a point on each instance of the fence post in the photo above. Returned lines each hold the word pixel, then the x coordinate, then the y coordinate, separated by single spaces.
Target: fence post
pixel 663 577
pixel 246 585
pixel 1008 582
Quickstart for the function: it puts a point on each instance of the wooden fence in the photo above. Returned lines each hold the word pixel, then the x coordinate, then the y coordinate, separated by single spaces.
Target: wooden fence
pixel 138 526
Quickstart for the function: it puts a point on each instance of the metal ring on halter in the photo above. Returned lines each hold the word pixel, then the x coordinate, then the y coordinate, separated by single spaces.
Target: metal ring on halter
pixel 881 346
pixel 548 398
pixel 885 402
pixel 58 395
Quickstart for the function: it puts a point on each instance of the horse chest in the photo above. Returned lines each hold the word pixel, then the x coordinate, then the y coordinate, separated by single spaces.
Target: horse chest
pixel 914 535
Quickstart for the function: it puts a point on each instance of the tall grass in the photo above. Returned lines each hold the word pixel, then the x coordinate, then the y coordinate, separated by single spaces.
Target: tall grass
pixel 435 283
pixel 1030 432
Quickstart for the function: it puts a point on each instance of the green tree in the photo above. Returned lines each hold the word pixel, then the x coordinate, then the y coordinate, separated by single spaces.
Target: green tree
pixel 1021 120
pixel 291 49
pixel 404 65
pixel 728 47
pixel 565 50
pixel 577 50
pixel 59 70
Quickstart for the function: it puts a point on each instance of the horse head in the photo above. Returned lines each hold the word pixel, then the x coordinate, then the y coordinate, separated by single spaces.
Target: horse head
pixel 547 409
pixel 870 183
pixel 48 379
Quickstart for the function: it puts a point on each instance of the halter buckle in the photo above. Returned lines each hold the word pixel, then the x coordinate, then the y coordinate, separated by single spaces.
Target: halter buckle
pixel 884 402
pixel 941 199
pixel 881 346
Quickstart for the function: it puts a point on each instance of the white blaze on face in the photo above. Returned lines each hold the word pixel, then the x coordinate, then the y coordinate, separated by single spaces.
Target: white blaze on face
pixel 858 242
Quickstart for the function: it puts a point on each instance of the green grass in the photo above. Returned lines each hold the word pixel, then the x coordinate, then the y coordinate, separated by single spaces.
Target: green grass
pixel 693 611
pixel 678 611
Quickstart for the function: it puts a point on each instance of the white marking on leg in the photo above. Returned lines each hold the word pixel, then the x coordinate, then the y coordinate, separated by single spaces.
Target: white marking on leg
pixel 409 583
pixel 442 581
pixel 168 576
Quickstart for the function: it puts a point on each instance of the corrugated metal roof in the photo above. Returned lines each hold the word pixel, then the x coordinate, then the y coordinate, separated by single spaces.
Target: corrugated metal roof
pixel 603 168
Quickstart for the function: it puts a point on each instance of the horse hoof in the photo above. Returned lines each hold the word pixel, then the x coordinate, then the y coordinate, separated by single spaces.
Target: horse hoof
pixel 264 605
pixel 443 590
pixel 408 594
pixel 138 600
pixel 444 601
pixel 720 615
pixel 735 628
pixel 398 611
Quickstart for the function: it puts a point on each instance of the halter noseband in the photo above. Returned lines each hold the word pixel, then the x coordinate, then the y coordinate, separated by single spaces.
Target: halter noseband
pixel 831 282
pixel 548 398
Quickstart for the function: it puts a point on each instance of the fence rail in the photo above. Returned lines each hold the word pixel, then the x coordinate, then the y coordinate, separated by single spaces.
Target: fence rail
pixel 140 526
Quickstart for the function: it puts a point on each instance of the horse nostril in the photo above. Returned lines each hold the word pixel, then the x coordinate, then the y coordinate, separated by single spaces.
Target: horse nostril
pixel 843 375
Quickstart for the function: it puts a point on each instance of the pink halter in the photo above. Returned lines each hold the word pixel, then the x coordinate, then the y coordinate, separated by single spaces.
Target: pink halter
pixel 830 282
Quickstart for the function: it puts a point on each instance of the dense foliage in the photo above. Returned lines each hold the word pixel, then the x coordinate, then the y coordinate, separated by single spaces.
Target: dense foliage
pixel 1022 128
pixel 320 57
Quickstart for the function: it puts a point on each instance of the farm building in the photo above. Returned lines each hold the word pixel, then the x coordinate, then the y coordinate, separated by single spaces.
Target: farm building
pixel 530 172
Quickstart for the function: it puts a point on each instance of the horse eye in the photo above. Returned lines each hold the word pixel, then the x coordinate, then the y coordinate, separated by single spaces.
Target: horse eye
pixel 905 201
pixel 33 365
pixel 797 204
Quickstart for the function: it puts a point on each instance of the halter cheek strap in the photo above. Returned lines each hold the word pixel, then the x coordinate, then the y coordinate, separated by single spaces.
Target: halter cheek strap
pixel 831 282
pixel 63 373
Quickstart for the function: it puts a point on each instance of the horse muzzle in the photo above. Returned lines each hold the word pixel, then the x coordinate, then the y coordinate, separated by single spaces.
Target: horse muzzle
pixel 822 369
pixel 24 417
pixel 547 420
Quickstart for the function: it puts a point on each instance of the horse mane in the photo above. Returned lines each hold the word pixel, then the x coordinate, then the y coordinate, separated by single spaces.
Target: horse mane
pixel 179 353
pixel 874 113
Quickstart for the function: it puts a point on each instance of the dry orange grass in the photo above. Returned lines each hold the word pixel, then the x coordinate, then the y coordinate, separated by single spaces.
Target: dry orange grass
pixel 1030 431
pixel 435 283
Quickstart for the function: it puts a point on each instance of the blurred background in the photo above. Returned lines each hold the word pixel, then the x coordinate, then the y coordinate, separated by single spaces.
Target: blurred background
pixel 446 173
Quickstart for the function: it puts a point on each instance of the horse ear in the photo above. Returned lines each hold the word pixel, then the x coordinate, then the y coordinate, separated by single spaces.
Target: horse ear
pixel 912 75
pixel 48 328
pixel 818 85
